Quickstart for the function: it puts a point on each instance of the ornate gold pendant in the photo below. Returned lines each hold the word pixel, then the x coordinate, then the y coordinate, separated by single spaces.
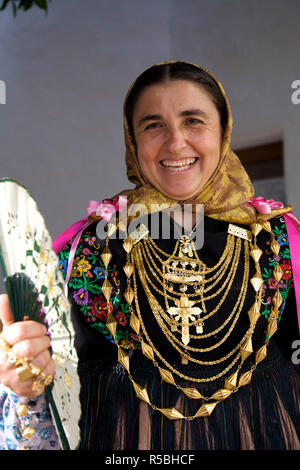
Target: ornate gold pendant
pixel 184 312
pixel 182 271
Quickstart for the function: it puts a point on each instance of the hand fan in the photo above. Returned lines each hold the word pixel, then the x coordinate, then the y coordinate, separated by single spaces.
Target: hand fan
pixel 35 288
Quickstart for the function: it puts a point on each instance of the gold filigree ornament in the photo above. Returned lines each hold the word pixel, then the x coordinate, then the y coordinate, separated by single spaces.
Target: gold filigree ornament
pixel 106 286
pixel 42 380
pixel 182 268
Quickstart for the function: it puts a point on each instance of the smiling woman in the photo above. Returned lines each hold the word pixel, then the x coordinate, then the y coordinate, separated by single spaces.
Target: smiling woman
pixel 180 346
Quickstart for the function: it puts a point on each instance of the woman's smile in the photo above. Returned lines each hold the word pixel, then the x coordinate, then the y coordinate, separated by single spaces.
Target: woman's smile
pixel 178 166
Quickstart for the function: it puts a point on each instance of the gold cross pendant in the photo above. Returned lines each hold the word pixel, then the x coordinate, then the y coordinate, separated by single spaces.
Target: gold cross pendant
pixel 185 312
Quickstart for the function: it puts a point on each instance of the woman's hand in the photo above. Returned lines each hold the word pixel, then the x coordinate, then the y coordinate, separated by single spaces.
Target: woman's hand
pixel 27 339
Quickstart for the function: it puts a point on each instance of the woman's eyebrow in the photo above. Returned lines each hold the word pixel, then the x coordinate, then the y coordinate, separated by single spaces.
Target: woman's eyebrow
pixel 149 117
pixel 188 112
pixel 194 112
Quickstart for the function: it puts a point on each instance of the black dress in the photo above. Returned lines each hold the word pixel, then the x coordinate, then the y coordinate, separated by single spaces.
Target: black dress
pixel 262 415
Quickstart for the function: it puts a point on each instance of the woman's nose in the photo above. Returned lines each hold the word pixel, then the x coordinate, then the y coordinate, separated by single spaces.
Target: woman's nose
pixel 175 141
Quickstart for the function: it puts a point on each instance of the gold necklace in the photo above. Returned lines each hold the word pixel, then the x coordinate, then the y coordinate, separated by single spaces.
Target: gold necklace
pixel 184 311
pixel 171 264
pixel 232 382
pixel 138 262
pixel 173 293
pixel 160 315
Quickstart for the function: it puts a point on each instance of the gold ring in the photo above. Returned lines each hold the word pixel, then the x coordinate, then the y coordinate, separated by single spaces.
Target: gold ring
pixel 4 345
pixel 41 382
pixel 24 372
pixel 10 356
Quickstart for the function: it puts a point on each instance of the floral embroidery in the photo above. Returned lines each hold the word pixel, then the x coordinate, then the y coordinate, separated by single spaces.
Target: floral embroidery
pixel 90 241
pixel 99 309
pixel 81 265
pixel 284 260
pixel 121 318
pixel 63 265
pixel 81 297
pixel 88 273
pixel 99 272
pixel 286 267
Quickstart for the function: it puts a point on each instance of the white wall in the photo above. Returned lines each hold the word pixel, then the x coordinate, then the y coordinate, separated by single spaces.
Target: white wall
pixel 67 72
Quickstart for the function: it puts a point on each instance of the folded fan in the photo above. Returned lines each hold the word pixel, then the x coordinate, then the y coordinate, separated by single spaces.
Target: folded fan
pixel 35 289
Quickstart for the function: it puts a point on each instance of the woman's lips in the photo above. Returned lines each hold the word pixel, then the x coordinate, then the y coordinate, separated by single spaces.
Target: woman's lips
pixel 179 165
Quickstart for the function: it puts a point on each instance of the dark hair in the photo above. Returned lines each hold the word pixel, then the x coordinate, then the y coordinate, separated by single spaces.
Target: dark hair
pixel 175 71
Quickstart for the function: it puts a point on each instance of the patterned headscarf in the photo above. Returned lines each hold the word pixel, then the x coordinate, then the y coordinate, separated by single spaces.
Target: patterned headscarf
pixel 224 195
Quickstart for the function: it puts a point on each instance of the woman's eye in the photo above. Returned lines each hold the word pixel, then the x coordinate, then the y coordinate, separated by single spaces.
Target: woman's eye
pixel 193 121
pixel 153 125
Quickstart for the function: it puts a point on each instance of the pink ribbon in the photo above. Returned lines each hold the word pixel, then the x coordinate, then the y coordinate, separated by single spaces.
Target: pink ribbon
pixel 293 231
pixel 104 209
pixel 264 206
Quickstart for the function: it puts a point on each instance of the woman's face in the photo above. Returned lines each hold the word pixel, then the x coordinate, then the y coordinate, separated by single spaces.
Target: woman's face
pixel 178 137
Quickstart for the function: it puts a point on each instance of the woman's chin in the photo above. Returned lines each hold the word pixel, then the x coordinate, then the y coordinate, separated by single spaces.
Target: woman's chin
pixel 180 187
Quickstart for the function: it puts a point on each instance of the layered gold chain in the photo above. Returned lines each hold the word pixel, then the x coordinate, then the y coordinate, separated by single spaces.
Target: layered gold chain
pixel 137 265
pixel 139 258
pixel 163 318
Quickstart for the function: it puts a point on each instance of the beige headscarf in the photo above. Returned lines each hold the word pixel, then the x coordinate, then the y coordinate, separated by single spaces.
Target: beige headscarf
pixel 224 195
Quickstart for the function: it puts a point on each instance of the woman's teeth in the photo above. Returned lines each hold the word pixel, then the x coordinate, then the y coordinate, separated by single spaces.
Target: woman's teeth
pixel 178 165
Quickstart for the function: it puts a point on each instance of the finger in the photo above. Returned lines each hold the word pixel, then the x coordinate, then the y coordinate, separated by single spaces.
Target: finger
pixel 24 330
pixel 5 311
pixel 45 363
pixel 32 347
